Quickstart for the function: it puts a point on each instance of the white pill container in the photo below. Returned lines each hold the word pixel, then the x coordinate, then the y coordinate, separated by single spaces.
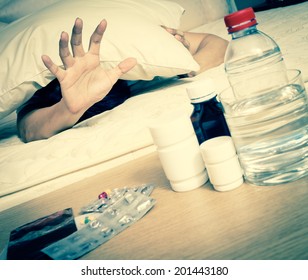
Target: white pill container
pixel 222 164
pixel 179 153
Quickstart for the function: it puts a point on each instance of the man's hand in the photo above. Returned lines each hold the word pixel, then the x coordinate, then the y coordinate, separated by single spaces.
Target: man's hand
pixel 208 50
pixel 83 81
pixel 179 35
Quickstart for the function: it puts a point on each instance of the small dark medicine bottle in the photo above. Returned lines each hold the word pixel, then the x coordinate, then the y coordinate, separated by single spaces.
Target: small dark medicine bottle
pixel 207 117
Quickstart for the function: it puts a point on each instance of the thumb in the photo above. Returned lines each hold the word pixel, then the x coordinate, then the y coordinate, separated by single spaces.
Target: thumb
pixel 126 65
pixel 122 68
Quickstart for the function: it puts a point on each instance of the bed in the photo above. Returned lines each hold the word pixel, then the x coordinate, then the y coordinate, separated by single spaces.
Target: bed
pixel 114 137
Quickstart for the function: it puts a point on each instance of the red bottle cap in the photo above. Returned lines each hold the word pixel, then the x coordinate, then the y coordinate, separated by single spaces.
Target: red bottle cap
pixel 240 20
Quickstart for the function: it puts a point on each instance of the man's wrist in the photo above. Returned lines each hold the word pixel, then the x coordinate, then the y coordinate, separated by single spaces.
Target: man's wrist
pixel 69 118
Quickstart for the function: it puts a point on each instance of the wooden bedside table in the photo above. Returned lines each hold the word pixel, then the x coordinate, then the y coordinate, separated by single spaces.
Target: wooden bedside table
pixel 247 223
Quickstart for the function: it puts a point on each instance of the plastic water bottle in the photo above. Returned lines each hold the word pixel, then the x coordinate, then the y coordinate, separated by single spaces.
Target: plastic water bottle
pixel 266 107
pixel 250 52
pixel 207 118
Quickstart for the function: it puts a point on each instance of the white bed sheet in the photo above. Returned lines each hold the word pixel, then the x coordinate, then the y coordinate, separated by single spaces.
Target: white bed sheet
pixel 2 25
pixel 101 142
pixel 114 137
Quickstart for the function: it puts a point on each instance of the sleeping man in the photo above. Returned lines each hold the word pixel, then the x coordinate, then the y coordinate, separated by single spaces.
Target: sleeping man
pixel 84 89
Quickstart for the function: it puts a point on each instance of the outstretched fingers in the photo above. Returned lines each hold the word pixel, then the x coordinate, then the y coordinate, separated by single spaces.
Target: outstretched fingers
pixel 94 48
pixel 96 38
pixel 126 65
pixel 76 39
pixel 53 68
pixel 122 68
pixel 64 51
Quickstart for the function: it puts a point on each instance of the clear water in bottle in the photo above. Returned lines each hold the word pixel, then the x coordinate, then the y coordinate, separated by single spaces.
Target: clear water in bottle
pixel 270 132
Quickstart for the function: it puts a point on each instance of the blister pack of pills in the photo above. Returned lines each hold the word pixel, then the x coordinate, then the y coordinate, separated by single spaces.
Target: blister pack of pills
pixel 106 199
pixel 117 211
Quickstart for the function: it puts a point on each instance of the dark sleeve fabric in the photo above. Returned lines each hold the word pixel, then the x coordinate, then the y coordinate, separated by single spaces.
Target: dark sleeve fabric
pixel 51 94
pixel 44 97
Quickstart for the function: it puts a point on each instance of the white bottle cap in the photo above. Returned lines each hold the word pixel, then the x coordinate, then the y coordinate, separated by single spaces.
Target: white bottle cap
pixel 171 132
pixel 201 91
pixel 218 149
pixel 222 164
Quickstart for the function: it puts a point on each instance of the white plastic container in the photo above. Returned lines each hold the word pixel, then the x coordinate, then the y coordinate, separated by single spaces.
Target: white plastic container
pixel 222 163
pixel 179 153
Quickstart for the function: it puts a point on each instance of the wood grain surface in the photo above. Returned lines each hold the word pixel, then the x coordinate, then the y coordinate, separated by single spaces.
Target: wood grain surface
pixel 250 222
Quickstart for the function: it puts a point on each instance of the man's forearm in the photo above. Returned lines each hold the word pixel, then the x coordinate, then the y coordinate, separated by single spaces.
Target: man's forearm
pixel 212 53
pixel 207 49
pixel 46 122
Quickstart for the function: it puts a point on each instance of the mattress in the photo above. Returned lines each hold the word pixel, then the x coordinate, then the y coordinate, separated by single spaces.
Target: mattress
pixel 120 135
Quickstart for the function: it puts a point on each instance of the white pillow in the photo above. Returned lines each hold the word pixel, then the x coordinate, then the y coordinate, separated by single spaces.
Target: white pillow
pixel 133 31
